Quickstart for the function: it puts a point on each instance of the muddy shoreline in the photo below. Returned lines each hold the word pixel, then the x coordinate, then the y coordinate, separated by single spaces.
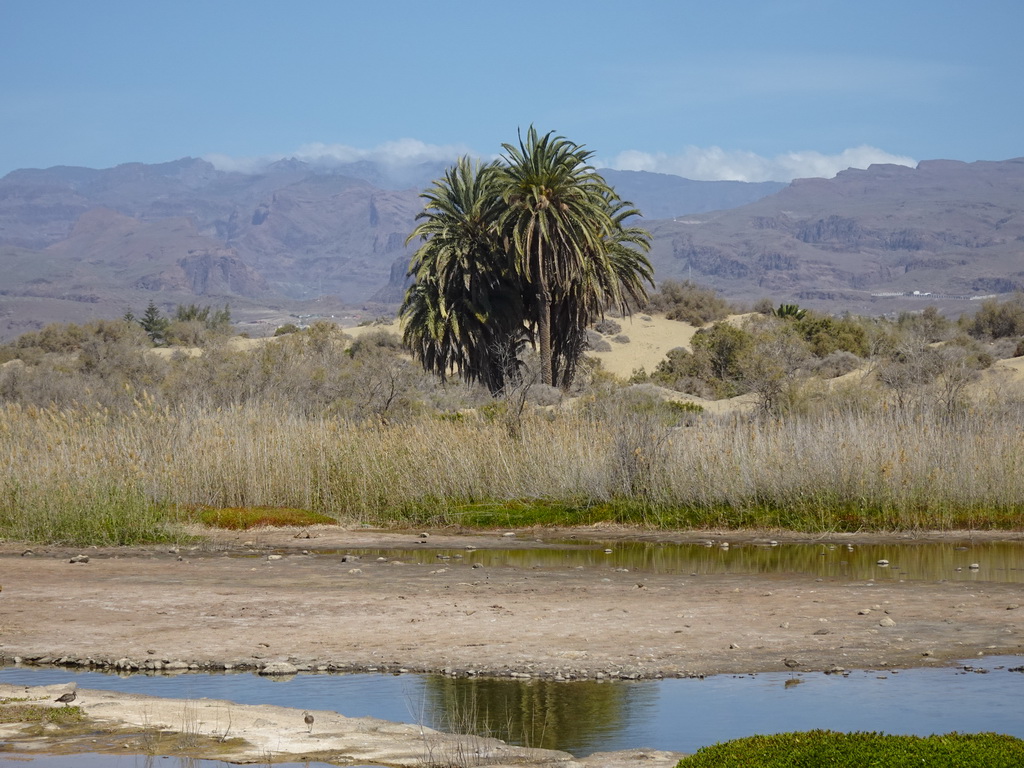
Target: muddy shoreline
pixel 246 601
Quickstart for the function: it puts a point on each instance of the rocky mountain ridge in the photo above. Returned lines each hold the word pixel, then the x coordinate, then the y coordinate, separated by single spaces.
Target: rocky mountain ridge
pixel 79 242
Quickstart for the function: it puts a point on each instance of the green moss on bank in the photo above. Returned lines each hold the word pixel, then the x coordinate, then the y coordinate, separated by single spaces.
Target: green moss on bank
pixel 856 750
pixel 243 518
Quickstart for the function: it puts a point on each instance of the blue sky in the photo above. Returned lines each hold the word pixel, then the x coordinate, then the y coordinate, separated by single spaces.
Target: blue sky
pixel 744 89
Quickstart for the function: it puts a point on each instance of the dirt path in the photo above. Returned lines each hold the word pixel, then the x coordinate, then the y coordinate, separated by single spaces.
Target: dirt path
pixel 213 607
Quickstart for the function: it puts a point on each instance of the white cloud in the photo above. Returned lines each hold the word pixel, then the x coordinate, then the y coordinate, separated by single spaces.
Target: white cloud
pixel 700 163
pixel 717 164
pixel 396 154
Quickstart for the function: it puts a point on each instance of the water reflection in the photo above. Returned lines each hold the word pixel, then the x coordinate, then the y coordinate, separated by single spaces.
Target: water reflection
pixel 929 561
pixel 586 717
pixel 539 713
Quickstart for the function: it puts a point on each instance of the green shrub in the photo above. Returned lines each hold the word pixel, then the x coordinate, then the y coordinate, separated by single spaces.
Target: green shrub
pixel 830 334
pixel 688 302
pixel 997 320
pixel 790 312
pixel 836 750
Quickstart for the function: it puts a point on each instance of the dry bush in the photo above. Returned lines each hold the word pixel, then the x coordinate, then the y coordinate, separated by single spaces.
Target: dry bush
pixel 835 364
pixel 607 327
pixel 688 302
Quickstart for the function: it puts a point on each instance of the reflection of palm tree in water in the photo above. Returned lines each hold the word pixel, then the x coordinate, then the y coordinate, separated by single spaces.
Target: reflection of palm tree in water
pixel 534 713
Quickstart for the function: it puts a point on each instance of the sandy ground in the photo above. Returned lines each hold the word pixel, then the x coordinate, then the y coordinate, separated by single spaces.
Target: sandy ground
pixel 252 599
pixel 226 731
pixel 255 598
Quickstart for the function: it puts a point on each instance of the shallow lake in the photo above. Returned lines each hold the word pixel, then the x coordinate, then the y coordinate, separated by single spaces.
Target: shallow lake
pixel 585 717
pixel 929 561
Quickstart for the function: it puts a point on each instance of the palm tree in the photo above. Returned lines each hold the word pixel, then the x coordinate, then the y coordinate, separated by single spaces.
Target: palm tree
pixel 463 312
pixel 564 228
pixel 532 249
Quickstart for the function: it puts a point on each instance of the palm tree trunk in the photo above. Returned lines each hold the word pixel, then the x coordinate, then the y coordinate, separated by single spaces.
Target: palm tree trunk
pixel 544 330
pixel 544 321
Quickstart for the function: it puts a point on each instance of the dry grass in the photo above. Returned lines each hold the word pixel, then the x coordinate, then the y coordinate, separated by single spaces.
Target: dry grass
pixel 92 476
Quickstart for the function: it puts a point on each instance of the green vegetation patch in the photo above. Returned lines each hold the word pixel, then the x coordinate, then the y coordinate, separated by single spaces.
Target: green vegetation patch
pixel 243 518
pixel 828 748
pixel 100 513
pixel 37 713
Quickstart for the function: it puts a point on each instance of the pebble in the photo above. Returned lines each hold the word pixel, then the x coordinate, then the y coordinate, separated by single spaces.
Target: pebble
pixel 279 668
pixel 887 622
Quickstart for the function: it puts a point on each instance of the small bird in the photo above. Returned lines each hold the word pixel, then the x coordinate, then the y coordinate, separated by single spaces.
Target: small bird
pixel 308 719
pixel 67 698
pixel 791 664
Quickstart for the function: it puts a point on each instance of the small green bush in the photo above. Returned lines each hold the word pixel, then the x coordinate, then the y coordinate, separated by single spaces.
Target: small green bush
pixel 688 302
pixel 995 319
pixel 828 748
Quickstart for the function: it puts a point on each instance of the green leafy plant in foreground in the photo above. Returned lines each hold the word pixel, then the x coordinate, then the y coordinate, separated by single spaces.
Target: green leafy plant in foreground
pixel 828 748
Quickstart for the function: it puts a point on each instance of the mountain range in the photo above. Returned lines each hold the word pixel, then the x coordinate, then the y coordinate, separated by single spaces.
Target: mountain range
pixel 294 239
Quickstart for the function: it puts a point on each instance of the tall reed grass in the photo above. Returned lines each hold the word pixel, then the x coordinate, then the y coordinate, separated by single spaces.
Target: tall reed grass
pixel 96 476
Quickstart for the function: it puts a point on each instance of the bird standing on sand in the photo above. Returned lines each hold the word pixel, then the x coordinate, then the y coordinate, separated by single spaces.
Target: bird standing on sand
pixel 308 719
pixel 791 664
pixel 67 698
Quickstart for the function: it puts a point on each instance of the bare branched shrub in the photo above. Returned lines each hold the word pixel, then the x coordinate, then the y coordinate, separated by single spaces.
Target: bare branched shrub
pixel 836 364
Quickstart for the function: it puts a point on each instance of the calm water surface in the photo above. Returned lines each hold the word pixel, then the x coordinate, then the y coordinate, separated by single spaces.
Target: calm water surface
pixel 928 561
pixel 585 717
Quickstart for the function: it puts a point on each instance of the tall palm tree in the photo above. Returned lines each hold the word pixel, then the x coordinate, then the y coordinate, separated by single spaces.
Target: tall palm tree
pixel 532 248
pixel 565 232
pixel 463 312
